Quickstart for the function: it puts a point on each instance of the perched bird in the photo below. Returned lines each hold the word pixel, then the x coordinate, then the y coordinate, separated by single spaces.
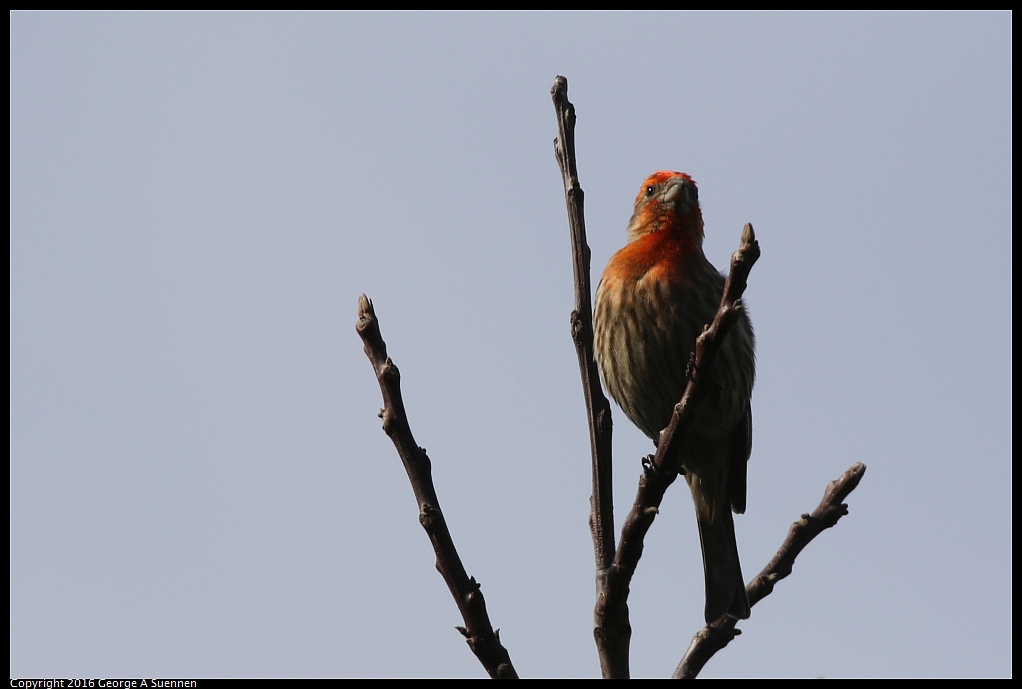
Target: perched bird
pixel 656 295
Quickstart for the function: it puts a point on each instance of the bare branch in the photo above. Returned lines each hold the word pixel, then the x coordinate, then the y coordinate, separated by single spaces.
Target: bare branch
pixel 478 631
pixel 616 566
pixel 716 636
pixel 610 624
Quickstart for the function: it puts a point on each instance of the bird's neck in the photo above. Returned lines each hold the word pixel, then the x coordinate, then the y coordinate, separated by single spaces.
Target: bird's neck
pixel 667 252
pixel 685 229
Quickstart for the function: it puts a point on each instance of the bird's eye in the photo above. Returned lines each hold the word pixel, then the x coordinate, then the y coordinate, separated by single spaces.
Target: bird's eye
pixel 649 191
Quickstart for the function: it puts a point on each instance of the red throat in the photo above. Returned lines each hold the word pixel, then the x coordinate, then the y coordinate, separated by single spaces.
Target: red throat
pixel 662 230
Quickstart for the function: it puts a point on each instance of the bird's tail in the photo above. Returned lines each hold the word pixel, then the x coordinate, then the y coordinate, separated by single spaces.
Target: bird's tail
pixel 725 587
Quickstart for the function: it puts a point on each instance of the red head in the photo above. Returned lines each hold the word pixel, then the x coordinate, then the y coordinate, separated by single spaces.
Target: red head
pixel 668 202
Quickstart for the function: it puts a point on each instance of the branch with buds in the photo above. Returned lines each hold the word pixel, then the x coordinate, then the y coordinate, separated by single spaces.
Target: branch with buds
pixel 478 632
pixel 714 637
pixel 615 566
pixel 611 626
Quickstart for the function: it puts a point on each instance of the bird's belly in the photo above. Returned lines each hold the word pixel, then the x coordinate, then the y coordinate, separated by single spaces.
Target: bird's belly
pixel 644 338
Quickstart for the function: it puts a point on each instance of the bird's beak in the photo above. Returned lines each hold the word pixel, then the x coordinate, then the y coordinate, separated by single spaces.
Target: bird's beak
pixel 680 193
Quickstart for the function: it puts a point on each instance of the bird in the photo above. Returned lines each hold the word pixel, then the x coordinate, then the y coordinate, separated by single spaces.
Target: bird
pixel 656 295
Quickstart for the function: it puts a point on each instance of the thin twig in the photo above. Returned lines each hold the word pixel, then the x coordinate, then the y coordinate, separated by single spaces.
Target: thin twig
pixel 716 636
pixel 478 631
pixel 610 624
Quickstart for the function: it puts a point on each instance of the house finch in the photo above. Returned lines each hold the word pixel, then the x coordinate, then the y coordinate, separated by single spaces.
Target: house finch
pixel 656 295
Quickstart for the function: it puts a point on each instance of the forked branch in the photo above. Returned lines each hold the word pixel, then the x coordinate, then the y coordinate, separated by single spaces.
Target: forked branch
pixel 716 636
pixel 615 566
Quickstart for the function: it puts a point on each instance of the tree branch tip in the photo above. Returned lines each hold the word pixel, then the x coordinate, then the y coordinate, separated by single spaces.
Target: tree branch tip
pixel 365 307
pixel 748 235
pixel 855 474
pixel 464 632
